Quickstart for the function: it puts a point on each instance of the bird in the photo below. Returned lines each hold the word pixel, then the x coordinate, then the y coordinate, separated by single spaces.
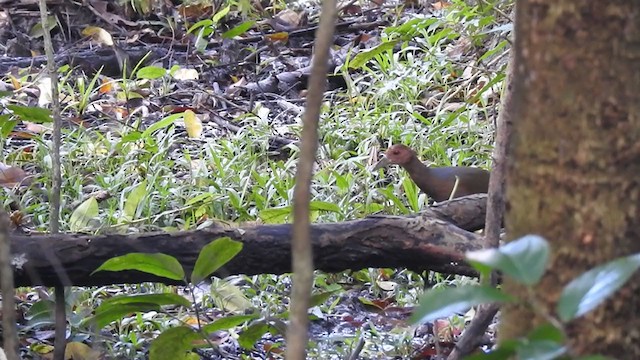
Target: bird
pixel 437 182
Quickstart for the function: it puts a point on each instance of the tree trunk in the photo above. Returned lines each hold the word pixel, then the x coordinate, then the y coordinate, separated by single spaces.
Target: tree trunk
pixel 574 170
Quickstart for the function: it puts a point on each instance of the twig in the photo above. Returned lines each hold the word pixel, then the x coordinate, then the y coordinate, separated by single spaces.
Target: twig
pixel 356 352
pixel 495 210
pixel 54 217
pixel 301 251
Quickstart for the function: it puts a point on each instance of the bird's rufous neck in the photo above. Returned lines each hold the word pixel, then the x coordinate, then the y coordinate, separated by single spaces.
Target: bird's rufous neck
pixel 416 169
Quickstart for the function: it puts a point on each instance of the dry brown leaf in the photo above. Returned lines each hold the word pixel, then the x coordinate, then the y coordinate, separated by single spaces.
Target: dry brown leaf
pixel 279 36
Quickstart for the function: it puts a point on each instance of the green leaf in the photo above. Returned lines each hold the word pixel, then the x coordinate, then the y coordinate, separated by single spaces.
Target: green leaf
pixel 435 304
pixel 133 200
pixel 228 322
pixel 364 56
pixel 204 197
pixel 157 299
pixel 32 114
pixel 501 353
pixel 83 214
pixel 238 30
pixel 199 24
pixel 547 332
pixel 411 192
pixel 151 72
pixel 220 14
pixel 540 350
pixel 324 206
pixel 320 297
pixel 213 256
pixel 117 307
pixel 173 343
pixel 252 334
pixel 6 125
pixel 412 27
pixel 524 259
pixel 590 289
pixel 156 264
pixel 37 31
pixel 229 297
pixel 165 122
pixel 40 314
pixel 275 215
pixel 107 314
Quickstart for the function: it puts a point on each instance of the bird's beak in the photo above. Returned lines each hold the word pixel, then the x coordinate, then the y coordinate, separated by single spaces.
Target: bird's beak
pixel 383 163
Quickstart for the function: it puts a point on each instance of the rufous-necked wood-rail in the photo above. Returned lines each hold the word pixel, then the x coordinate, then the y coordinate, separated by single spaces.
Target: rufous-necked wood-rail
pixel 437 182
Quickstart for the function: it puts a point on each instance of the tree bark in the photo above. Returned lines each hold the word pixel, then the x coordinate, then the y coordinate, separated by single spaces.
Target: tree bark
pixel 421 242
pixel 575 161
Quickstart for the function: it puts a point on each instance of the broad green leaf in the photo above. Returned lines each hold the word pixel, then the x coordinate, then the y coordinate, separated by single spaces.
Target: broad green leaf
pixel 107 314
pixel 199 24
pixel 411 192
pixel 275 215
pixel 364 56
pixel 133 200
pixel 6 125
pixel 435 304
pixel 412 27
pixel 220 14
pixel 320 297
pixel 37 30
pixel 547 332
pixel 131 136
pixel 238 30
pixel 228 322
pixel 252 334
pixel 590 289
pixel 83 214
pixel 493 51
pixel 32 114
pixel 540 350
pixel 173 343
pixel 524 259
pixel 229 297
pixel 156 264
pixel 506 350
pixel 204 197
pixel 324 206
pixel 157 299
pixel 165 122
pixel 151 72
pixel 213 256
pixel 117 307
pixel 40 314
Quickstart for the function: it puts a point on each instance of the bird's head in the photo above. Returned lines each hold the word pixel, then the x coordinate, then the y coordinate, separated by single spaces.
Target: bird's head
pixel 396 154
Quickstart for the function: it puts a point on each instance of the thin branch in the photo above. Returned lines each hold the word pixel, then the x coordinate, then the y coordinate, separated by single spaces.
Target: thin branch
pixel 495 213
pixel 302 255
pixel 54 198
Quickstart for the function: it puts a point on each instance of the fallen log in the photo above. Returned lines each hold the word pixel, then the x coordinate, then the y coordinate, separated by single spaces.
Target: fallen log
pixel 432 240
